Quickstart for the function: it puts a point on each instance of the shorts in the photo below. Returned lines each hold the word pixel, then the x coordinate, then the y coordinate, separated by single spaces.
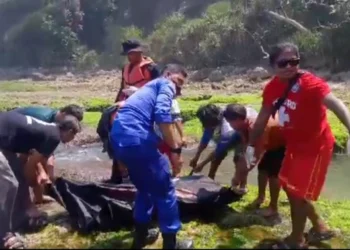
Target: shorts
pixel 271 162
pixel 230 141
pixel 303 173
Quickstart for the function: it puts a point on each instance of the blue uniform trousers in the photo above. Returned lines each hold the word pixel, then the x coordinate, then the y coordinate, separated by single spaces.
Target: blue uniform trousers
pixel 150 173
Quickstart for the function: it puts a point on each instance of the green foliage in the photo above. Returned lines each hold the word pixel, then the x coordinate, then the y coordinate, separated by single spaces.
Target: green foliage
pixel 113 44
pixel 41 39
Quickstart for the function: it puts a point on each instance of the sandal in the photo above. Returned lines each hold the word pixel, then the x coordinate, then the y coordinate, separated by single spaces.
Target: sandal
pixel 34 224
pixel 316 237
pixel 13 241
pixel 284 245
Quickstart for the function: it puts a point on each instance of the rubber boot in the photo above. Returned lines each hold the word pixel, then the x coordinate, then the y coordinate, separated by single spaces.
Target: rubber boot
pixel 170 242
pixel 144 236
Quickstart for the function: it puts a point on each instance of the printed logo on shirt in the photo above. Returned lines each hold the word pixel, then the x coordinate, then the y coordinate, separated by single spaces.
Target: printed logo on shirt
pixel 295 88
pixel 288 103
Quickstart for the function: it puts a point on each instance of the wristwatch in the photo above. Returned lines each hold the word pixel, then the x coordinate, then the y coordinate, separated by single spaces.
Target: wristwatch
pixel 176 150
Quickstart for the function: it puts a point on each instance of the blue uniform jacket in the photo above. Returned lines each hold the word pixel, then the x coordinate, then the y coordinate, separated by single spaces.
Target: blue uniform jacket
pixel 150 104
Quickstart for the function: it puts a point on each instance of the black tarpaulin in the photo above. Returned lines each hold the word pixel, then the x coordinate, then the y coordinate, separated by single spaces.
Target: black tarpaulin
pixel 105 207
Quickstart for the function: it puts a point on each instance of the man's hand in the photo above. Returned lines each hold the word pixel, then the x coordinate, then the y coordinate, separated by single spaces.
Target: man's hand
pixel 184 142
pixel 176 160
pixel 193 162
pixel 43 178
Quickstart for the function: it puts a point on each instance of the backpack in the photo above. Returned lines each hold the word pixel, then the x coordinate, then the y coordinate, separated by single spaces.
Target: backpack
pixel 104 128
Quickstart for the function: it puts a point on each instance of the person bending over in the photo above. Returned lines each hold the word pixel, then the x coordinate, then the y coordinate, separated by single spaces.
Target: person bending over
pixel 25 135
pixel 48 115
pixel 269 153
pixel 135 144
pixel 217 128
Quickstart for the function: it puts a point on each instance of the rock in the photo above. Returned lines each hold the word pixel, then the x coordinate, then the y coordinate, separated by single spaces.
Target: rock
pixel 200 75
pixel 232 70
pixel 341 77
pixel 259 73
pixel 216 86
pixel 36 76
pixel 69 74
pixel 216 76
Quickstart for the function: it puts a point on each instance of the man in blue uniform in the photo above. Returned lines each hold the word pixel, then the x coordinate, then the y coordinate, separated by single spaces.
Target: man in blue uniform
pixel 135 145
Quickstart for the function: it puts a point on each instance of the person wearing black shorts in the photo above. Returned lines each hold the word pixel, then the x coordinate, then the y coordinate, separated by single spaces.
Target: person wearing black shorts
pixel 20 134
pixel 270 166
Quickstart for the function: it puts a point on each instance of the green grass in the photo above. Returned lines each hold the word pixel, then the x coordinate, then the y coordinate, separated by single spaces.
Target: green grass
pixel 235 227
pixel 10 86
pixel 189 106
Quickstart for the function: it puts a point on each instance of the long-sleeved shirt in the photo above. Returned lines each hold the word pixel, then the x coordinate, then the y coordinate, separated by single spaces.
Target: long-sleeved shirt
pixel 150 104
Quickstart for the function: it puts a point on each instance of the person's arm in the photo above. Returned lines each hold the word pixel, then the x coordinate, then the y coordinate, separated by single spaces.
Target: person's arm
pixel 163 116
pixel 179 127
pixel 224 145
pixel 121 88
pixel 260 124
pixel 40 155
pixel 338 108
pixel 206 137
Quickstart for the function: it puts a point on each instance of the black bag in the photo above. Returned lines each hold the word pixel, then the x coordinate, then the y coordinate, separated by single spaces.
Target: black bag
pixel 108 207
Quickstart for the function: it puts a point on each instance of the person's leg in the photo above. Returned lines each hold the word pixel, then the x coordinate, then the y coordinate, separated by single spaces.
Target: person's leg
pixel 271 164
pixel 163 194
pixel 303 175
pixel 33 217
pixel 8 192
pixel 116 175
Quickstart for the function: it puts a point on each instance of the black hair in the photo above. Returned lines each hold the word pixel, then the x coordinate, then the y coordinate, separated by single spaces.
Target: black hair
pixel 73 110
pixel 209 115
pixel 278 49
pixel 69 122
pixel 235 111
pixel 175 69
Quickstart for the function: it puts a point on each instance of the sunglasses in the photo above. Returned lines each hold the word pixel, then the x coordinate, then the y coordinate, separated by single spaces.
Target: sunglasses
pixel 283 63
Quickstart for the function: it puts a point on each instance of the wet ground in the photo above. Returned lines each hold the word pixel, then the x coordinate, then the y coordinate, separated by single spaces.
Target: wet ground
pixel 88 163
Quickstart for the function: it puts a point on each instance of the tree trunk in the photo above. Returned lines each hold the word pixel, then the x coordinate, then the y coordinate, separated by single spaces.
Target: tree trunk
pixel 288 20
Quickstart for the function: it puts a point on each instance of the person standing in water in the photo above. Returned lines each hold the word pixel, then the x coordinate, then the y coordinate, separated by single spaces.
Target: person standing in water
pixel 135 145
pixel 301 100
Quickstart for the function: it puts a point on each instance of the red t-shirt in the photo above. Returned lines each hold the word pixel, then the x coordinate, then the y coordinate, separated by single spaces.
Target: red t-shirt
pixel 303 115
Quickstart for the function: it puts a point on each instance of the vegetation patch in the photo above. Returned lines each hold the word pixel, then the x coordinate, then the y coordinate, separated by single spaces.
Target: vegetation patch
pixel 10 86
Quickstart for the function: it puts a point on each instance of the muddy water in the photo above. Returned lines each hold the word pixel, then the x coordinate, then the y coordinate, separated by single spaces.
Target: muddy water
pixel 89 163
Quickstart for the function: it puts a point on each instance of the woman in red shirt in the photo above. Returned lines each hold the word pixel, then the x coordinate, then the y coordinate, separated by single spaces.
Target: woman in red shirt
pixel 301 100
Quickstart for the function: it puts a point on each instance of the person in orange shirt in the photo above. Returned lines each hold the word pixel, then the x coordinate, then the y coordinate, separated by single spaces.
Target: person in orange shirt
pixel 138 71
pixel 269 153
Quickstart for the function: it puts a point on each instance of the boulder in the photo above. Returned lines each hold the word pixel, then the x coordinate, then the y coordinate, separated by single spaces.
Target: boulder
pixel 200 75
pixel 36 76
pixel 216 76
pixel 258 73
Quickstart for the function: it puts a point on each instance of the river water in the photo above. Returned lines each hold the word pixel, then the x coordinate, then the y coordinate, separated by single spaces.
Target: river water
pixel 91 164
